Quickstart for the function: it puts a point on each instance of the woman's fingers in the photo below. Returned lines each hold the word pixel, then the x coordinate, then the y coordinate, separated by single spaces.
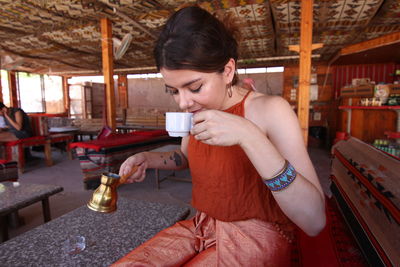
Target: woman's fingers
pixel 127 168
pixel 200 124
pixel 214 127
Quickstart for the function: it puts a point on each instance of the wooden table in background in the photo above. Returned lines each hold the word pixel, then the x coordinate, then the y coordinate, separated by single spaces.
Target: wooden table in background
pixel 15 195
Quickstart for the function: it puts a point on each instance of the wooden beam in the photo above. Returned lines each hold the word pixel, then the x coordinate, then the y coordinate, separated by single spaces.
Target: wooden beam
pixel 41 58
pixel 12 83
pixel 108 70
pixel 305 66
pixel 296 48
pixel 370 44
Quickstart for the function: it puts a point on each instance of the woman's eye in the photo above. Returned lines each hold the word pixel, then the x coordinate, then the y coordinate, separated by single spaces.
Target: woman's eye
pixel 196 90
pixel 171 91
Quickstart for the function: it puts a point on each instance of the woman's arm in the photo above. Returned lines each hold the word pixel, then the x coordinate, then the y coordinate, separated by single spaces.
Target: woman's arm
pixel 303 200
pixel 171 160
pixel 19 120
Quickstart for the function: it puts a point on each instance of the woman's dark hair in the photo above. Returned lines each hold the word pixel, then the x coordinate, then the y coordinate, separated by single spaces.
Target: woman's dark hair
pixel 2 105
pixel 194 39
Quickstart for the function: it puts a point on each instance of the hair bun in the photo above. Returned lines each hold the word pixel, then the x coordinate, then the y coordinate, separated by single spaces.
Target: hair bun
pixel 231 23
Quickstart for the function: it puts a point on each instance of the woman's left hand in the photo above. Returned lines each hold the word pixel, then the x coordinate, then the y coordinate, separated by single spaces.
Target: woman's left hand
pixel 214 127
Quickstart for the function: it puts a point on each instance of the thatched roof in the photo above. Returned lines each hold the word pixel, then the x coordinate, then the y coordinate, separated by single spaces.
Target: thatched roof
pixel 60 36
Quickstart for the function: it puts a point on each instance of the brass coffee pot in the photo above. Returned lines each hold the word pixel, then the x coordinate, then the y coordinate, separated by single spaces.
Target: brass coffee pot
pixel 104 198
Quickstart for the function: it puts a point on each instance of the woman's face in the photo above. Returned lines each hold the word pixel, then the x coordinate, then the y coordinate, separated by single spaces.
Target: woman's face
pixel 194 91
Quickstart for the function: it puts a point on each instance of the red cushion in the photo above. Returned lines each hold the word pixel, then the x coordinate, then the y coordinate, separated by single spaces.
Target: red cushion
pixel 111 141
pixel 150 133
pixel 55 138
pixel 39 139
pixel 105 132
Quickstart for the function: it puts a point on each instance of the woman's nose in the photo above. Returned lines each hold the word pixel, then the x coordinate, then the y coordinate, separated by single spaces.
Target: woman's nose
pixel 185 100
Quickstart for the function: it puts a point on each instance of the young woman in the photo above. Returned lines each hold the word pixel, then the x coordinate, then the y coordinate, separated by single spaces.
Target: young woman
pixel 252 177
pixel 17 124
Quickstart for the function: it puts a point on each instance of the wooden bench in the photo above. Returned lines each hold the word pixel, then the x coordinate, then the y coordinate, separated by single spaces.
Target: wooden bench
pixel 15 150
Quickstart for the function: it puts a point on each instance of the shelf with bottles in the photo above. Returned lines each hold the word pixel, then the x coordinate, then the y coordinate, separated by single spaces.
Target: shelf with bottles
pixel 372 94
pixel 387 146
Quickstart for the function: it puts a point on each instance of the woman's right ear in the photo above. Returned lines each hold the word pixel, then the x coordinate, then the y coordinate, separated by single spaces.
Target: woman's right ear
pixel 229 70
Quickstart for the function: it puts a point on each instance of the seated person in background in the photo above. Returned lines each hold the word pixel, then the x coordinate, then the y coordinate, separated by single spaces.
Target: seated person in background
pixel 17 124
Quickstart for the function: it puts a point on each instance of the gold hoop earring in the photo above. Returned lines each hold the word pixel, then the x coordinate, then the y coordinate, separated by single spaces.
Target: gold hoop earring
pixel 230 89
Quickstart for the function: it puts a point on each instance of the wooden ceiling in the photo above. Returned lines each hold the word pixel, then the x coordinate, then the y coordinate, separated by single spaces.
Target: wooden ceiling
pixel 63 37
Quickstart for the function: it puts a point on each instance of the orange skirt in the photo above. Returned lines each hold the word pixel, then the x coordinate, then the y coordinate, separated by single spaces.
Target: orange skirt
pixel 205 241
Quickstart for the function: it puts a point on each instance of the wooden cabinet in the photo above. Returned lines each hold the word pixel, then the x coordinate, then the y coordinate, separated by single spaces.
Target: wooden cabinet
pixel 369 123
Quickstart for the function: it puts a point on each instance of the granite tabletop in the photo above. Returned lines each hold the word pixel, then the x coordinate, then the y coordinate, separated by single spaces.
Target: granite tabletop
pixel 108 236
pixel 15 195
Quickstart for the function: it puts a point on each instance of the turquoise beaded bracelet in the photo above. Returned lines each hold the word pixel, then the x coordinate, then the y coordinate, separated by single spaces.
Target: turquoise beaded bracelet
pixel 283 179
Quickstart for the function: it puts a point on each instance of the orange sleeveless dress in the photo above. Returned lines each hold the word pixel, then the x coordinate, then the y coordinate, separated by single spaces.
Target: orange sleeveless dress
pixel 227 187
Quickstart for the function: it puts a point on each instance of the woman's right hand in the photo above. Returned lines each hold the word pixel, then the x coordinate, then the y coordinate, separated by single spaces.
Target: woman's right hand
pixel 139 160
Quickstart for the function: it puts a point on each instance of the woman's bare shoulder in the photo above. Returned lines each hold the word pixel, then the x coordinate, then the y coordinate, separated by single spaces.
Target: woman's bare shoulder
pixel 265 110
pixel 261 102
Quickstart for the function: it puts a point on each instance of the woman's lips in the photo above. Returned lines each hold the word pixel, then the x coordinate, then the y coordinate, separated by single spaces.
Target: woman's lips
pixel 195 111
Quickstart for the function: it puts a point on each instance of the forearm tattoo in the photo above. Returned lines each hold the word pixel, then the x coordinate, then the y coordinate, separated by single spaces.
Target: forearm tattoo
pixel 176 157
pixel 165 161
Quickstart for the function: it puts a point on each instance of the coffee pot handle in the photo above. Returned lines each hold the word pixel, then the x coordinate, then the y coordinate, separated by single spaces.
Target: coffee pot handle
pixel 124 177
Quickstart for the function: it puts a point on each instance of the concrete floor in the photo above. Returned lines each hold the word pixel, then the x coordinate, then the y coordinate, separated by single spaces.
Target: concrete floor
pixel 67 173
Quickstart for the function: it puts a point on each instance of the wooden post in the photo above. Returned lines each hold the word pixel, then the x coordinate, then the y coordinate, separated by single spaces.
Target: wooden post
pixel 303 103
pixel 1 89
pixel 108 70
pixel 12 81
pixel 123 95
pixel 66 94
pixel 123 90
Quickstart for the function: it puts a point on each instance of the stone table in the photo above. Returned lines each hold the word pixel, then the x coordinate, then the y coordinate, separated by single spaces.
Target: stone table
pixel 108 236
pixel 15 195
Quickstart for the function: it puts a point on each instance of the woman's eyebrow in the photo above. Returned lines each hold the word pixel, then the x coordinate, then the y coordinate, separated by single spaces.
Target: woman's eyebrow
pixel 185 84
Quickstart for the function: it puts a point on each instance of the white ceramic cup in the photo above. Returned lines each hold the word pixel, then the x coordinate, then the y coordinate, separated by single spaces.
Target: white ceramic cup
pixel 178 124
